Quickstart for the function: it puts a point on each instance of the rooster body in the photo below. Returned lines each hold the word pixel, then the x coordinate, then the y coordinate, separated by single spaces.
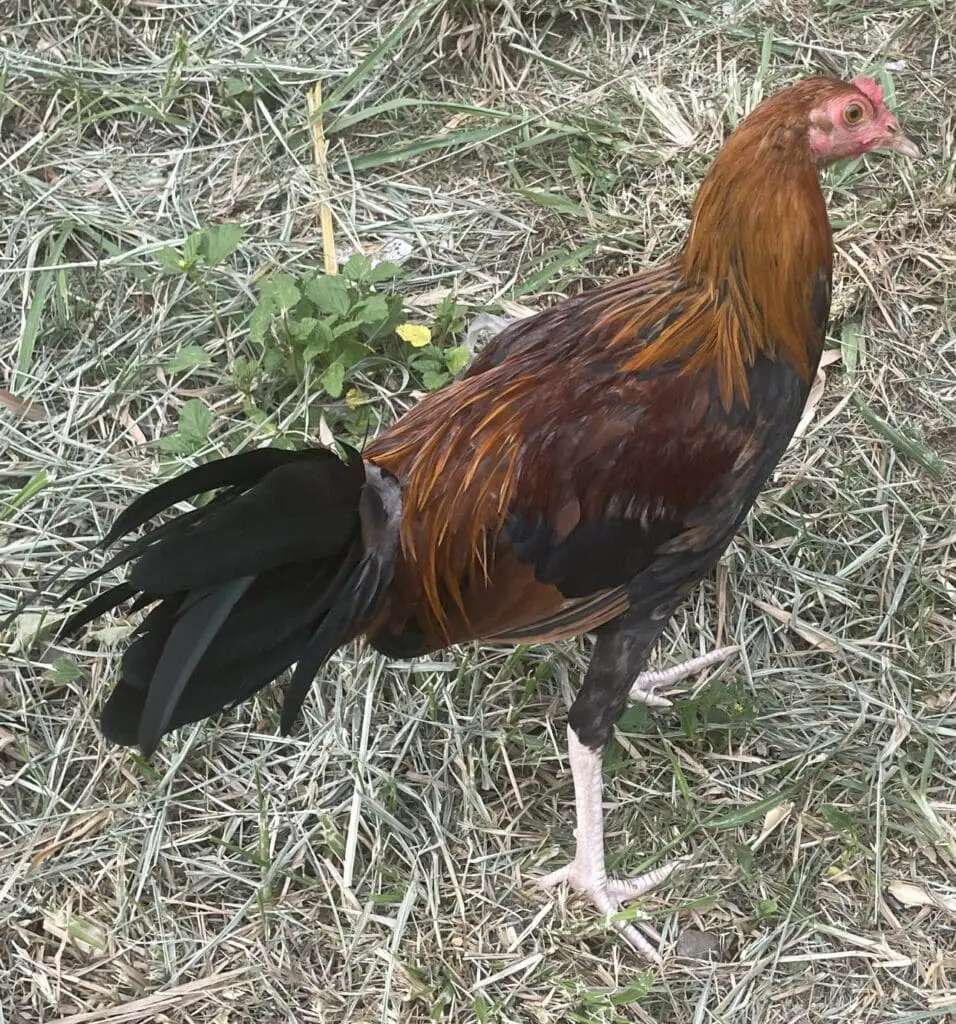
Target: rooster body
pixel 583 476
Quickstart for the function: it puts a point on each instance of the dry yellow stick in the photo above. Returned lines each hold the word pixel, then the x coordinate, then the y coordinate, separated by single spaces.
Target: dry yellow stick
pixel 314 101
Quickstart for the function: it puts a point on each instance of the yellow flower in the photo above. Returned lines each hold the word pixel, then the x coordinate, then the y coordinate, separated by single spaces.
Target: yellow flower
pixel 417 335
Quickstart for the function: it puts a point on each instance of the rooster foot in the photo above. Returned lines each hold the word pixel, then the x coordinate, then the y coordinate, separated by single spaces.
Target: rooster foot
pixel 587 873
pixel 610 894
pixel 645 686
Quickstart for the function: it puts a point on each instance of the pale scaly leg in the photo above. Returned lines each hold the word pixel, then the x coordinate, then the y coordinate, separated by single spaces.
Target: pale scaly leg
pixel 645 686
pixel 587 872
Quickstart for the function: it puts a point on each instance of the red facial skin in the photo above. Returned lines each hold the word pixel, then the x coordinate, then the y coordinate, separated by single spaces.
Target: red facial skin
pixel 856 123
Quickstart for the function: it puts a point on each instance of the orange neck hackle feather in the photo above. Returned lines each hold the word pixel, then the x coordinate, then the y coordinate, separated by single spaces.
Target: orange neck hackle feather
pixel 758 243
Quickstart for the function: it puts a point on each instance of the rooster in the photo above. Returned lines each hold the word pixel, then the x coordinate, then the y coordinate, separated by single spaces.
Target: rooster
pixel 582 477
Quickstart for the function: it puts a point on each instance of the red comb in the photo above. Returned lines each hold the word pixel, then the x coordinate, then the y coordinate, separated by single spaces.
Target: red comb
pixel 870 89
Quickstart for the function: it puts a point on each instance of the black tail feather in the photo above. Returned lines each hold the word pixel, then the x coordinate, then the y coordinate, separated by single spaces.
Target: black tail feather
pixel 237 471
pixel 275 569
pixel 140 658
pixel 100 604
pixel 137 547
pixel 359 596
pixel 269 525
pixel 356 606
pixel 122 713
pixel 188 640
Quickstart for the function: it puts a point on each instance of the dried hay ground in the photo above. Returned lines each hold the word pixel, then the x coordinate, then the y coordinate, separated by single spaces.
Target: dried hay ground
pixel 377 866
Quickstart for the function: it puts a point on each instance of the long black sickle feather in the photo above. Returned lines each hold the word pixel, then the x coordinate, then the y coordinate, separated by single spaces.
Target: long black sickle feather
pixel 188 640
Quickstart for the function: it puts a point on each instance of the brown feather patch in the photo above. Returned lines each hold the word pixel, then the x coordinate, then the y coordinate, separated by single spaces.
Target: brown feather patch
pixel 606 401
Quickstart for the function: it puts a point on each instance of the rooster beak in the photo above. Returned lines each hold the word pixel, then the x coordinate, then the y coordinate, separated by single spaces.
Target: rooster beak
pixel 896 141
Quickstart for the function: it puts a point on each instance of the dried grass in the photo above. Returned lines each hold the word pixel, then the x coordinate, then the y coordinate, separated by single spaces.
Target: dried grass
pixel 377 865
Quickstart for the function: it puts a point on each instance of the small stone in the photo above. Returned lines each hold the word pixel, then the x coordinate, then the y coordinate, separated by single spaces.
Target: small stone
pixel 698 945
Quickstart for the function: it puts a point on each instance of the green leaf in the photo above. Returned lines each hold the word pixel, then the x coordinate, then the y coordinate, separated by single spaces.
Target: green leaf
pixel 319 341
pixel 235 87
pixel 344 328
pixel 412 152
pixel 687 714
pixel 282 290
pixel 349 351
pixel 886 84
pixel 244 373
pixel 354 80
pixel 427 358
pixel 449 315
pixel 302 328
pixel 747 813
pixel 905 444
pixel 373 310
pixel 218 242
pixel 333 379
pixel 253 413
pixel 193 246
pixel 433 380
pixel 396 309
pixel 383 271
pixel 556 266
pixel 329 293
pixel 261 319
pixel 456 359
pixel 837 819
pixel 272 361
pixel 635 992
pixel 44 283
pixel 170 262
pixel 554 201
pixel 187 358
pixel 634 719
pixel 195 421
pixel 357 267
pixel 36 483
pixel 745 860
pixel 65 671
pixel 176 444
pixel 852 346
pixel 346 121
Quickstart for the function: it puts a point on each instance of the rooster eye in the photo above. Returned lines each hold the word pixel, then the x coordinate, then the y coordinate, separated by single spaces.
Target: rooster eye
pixel 853 113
